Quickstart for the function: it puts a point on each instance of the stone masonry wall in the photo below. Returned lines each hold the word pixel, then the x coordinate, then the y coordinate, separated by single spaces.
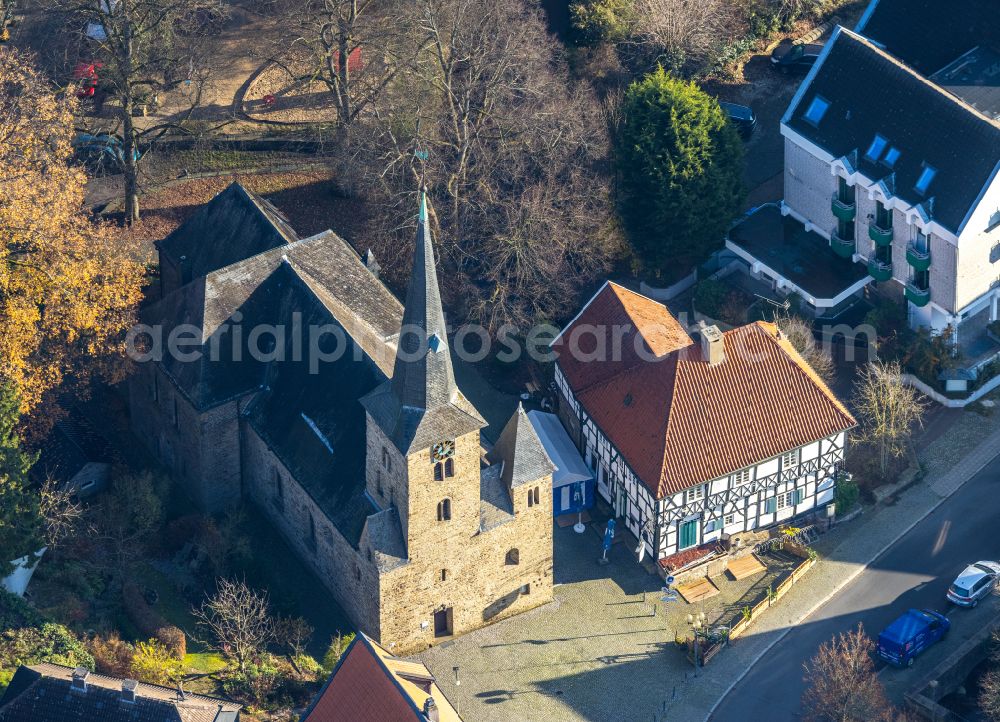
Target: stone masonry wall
pixel 480 584
pixel 351 578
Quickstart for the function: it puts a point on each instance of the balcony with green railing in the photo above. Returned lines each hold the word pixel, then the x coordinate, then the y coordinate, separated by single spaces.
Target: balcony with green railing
pixel 844 210
pixel 881 235
pixel 916 295
pixel 919 259
pixel 880 270
pixel 843 247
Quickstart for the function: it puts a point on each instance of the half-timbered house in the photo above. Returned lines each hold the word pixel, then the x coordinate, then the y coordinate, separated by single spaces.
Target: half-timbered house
pixel 693 437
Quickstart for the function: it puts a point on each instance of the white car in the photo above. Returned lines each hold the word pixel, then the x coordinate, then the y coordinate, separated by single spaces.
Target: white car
pixel 975 582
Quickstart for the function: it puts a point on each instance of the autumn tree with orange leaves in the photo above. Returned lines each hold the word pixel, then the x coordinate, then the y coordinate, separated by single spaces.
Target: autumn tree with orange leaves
pixel 68 286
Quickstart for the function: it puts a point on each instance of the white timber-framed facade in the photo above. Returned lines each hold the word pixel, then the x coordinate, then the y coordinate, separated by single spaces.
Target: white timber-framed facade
pixel 675 507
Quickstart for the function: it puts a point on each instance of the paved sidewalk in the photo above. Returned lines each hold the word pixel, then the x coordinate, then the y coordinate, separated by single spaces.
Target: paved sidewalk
pixel 951 460
pixel 596 653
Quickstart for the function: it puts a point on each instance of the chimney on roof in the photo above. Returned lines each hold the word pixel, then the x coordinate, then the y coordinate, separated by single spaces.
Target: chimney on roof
pixel 129 687
pixel 79 682
pixel 713 348
pixel 431 711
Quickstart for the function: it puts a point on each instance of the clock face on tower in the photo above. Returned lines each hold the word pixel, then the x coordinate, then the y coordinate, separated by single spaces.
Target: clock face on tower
pixel 442 450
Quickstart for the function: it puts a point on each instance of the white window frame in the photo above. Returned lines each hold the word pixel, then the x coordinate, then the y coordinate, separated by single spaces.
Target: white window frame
pixel 742 476
pixel 791 458
pixel 786 500
pixel 696 493
pixel 728 520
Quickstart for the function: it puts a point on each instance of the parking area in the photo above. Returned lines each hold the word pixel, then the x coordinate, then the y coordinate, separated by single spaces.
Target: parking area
pixel 607 637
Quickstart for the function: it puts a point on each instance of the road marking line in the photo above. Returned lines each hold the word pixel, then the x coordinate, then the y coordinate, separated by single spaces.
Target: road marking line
pixel 844 582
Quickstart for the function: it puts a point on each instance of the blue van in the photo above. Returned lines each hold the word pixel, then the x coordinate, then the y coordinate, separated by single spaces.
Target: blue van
pixel 910 635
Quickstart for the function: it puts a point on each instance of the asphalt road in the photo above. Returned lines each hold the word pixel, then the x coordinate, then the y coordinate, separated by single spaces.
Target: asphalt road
pixel 914 572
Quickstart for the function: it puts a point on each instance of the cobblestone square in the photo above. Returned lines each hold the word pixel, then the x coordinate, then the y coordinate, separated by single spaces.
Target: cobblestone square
pixel 598 652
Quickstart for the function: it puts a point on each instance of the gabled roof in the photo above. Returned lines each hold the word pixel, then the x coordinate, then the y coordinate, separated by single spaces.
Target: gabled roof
pixel 266 289
pixel 645 331
pixel 679 422
pixel 871 93
pixel 42 693
pixel 233 225
pixel 371 685
pixel 929 34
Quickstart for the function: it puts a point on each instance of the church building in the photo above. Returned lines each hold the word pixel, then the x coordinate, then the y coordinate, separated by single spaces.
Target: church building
pixel 310 391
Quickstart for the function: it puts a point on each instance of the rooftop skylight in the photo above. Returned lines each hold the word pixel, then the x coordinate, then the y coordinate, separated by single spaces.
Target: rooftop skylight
pixel 926 176
pixel 891 156
pixel 817 109
pixel 874 151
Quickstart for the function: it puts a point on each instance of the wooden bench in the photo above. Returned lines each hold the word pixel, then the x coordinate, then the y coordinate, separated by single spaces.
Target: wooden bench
pixel 745 567
pixel 697 591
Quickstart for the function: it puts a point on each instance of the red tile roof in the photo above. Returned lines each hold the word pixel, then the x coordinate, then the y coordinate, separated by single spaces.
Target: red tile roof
pixel 679 422
pixel 371 685
pixel 644 329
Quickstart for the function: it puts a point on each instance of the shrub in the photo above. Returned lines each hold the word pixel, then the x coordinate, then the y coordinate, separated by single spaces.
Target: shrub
pixel 49 643
pixel 846 493
pixel 338 645
pixel 174 639
pixel 681 165
pixel 112 655
pixel 15 612
pixel 709 297
pixel 153 663
pixel 257 683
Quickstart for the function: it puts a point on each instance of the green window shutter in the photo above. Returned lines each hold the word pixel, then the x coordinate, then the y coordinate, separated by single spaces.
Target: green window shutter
pixel 799 494
pixel 689 534
pixel 771 505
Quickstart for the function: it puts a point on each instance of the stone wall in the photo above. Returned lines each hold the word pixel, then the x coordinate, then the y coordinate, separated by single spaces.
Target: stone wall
pixel 452 563
pixel 347 572
pixel 200 450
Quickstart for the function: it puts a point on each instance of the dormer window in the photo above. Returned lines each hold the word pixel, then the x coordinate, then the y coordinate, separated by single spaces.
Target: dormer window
pixel 816 110
pixel 878 145
pixel 694 494
pixel 926 176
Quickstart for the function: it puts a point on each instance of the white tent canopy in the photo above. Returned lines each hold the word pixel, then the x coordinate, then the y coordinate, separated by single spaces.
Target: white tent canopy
pixel 570 467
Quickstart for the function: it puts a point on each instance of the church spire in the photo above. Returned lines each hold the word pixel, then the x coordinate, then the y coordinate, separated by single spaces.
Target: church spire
pixel 423 377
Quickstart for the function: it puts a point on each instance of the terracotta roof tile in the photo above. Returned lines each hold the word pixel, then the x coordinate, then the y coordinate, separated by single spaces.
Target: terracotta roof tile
pixel 643 324
pixel 371 685
pixel 679 422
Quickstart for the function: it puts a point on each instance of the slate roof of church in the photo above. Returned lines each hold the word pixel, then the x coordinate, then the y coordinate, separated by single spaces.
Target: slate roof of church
pixel 871 92
pixel 233 225
pixel 520 452
pixel 679 422
pixel 42 693
pixel 312 418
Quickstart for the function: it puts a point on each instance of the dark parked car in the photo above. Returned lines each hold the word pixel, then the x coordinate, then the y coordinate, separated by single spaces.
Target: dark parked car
pixel 741 116
pixel 795 57
pixel 910 635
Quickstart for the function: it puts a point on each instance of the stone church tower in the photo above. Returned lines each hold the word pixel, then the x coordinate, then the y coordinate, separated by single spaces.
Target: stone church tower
pixel 424 451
